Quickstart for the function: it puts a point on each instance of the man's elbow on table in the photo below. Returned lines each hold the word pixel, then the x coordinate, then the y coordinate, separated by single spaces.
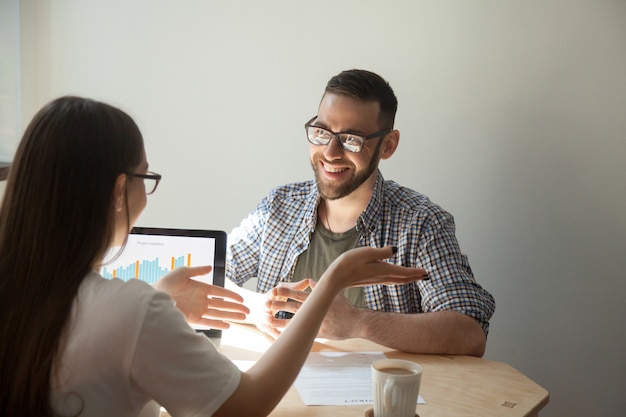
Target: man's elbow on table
pixel 442 332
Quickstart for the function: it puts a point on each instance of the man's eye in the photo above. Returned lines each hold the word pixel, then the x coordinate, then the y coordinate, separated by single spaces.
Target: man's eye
pixel 353 140
pixel 321 133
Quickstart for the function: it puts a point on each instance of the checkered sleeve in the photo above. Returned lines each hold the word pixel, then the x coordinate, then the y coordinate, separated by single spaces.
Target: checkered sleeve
pixel 267 242
pixel 244 245
pixel 452 285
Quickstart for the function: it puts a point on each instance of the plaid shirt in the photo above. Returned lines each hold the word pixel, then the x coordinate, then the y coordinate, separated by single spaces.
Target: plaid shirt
pixel 268 242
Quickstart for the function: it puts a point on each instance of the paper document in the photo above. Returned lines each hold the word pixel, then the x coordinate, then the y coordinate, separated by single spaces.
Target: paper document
pixel 338 378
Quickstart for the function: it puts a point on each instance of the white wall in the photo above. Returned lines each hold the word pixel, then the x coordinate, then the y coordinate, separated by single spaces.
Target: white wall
pixel 512 116
pixel 9 78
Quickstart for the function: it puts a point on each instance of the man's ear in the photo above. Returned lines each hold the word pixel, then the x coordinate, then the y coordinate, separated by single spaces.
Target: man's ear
pixel 118 192
pixel 390 144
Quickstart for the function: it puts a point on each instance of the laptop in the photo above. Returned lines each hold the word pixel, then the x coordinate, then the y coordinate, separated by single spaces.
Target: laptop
pixel 152 252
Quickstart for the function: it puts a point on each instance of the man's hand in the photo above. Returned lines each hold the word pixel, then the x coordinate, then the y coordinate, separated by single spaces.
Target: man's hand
pixel 201 303
pixel 337 324
pixel 271 303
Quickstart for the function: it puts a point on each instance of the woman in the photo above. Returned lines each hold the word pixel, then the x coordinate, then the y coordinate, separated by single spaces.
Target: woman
pixel 73 343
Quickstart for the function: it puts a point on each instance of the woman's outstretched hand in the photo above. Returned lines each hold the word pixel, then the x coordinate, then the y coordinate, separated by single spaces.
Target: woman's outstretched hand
pixel 202 304
pixel 366 266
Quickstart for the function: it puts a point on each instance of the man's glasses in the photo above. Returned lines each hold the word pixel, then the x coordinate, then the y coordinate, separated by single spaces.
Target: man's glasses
pixel 150 179
pixel 349 141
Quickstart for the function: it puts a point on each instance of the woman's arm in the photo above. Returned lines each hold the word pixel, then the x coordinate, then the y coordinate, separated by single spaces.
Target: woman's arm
pixel 263 385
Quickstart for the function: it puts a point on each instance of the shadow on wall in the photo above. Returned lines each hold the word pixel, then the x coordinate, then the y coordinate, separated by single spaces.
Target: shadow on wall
pixel 4 171
pixel 561 170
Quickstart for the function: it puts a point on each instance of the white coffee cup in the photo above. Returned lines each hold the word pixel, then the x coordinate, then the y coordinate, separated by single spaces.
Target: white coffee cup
pixel 396 385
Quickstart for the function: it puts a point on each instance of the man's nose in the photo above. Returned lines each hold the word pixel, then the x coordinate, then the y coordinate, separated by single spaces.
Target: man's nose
pixel 334 149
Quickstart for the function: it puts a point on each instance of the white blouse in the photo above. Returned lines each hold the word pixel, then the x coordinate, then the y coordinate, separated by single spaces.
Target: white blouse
pixel 129 350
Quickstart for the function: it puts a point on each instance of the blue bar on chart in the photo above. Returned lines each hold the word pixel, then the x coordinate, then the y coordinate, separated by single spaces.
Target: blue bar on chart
pixel 148 271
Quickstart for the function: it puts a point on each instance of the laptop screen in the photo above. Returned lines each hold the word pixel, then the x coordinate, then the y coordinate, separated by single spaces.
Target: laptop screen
pixel 152 252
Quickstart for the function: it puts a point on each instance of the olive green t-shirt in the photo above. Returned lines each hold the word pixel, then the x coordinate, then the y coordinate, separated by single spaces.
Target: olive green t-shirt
pixel 324 248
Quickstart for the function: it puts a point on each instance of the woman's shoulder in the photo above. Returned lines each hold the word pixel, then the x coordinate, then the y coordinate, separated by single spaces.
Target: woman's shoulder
pixel 117 298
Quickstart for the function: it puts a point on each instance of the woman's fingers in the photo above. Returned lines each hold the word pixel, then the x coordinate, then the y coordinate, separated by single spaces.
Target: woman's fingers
pixel 218 304
pixel 366 266
pixel 221 292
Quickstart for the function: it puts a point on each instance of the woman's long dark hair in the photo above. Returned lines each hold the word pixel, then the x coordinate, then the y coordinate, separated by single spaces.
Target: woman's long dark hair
pixel 56 222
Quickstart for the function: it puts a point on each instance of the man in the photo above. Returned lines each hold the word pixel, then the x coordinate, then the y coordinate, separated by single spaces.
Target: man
pixel 298 229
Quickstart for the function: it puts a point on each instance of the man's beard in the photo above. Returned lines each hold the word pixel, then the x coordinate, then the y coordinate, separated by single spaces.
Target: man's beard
pixel 334 192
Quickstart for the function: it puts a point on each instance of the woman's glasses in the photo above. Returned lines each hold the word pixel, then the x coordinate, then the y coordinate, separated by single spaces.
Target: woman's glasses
pixel 150 179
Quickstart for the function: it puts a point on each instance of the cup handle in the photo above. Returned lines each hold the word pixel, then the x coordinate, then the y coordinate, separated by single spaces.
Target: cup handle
pixel 388 393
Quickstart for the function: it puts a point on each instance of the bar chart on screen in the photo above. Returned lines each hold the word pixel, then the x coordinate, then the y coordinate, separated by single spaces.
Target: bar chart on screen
pixel 149 257
pixel 147 270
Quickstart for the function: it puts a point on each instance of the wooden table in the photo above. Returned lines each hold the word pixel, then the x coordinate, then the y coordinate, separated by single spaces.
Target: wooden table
pixel 451 385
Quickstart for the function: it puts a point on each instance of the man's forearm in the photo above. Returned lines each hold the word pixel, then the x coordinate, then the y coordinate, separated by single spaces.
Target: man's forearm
pixel 444 332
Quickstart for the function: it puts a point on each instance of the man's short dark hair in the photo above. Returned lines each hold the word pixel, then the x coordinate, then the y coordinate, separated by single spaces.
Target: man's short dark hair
pixel 366 86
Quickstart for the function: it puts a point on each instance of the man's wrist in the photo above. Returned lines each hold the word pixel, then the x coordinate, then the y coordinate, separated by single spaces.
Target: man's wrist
pixel 363 319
